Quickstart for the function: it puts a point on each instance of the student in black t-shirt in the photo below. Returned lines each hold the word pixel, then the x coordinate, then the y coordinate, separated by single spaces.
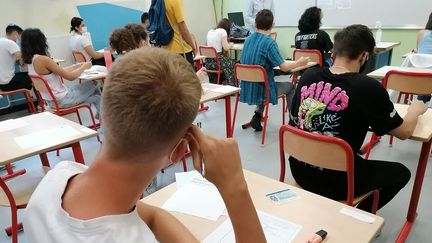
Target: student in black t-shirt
pixel 311 37
pixel 340 102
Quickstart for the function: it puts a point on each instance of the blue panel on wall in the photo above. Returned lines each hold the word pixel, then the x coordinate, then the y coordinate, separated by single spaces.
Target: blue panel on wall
pixel 102 18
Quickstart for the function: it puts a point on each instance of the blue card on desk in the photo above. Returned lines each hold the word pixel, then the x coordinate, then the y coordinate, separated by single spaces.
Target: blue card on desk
pixel 281 196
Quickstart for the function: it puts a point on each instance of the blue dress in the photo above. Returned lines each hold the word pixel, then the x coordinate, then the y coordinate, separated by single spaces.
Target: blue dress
pixel 425 45
pixel 260 50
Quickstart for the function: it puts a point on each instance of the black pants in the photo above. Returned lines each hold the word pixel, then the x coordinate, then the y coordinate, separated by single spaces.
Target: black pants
pixel 19 81
pixel 100 61
pixel 424 98
pixel 189 57
pixel 388 177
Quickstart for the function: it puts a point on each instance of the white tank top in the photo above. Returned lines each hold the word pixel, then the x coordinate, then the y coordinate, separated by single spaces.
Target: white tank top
pixel 54 81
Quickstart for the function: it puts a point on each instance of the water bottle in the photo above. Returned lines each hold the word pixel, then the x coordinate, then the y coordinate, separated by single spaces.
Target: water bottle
pixel 378 33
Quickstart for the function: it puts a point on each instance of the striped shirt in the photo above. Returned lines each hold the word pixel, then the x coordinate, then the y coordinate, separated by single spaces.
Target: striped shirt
pixel 260 50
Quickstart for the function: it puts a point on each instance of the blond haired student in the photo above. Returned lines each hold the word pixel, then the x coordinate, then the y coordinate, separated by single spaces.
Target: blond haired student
pixel 150 99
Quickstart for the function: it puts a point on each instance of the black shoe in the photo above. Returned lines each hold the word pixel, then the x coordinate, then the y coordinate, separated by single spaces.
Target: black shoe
pixel 256 122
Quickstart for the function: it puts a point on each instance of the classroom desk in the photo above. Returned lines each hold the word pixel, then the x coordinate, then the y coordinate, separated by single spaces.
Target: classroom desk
pixel 93 76
pixel 237 48
pixel 381 72
pixel 422 133
pixel 309 210
pixel 308 65
pixel 209 95
pixel 238 39
pixel 10 151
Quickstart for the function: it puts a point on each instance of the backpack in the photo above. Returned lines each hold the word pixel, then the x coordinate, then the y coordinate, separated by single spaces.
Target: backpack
pixel 237 31
pixel 161 32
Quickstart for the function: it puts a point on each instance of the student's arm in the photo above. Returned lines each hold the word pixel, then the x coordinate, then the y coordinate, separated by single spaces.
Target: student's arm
pixel 18 55
pixel 328 44
pixel 48 64
pixel 406 129
pixel 250 18
pixel 225 44
pixel 164 226
pixel 287 66
pixel 186 35
pixel 221 159
pixel 72 67
pixel 94 54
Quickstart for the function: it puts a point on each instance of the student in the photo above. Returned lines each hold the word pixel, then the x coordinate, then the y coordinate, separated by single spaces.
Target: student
pixel 34 49
pixel 100 203
pixel 183 42
pixel 79 43
pixel 261 49
pixel 311 37
pixel 10 54
pixel 145 20
pixel 218 38
pixel 424 46
pixel 131 37
pixel 253 7
pixel 333 101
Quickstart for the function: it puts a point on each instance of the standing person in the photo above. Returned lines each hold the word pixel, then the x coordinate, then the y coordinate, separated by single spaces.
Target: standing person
pixel 331 101
pixel 424 46
pixel 80 43
pixel 261 49
pixel 182 43
pixel 145 20
pixel 253 7
pixel 310 35
pixel 10 55
pixel 218 38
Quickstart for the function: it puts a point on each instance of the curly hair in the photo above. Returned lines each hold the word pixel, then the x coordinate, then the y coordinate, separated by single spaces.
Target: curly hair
pixel 122 40
pixel 138 31
pixel 310 20
pixel 33 42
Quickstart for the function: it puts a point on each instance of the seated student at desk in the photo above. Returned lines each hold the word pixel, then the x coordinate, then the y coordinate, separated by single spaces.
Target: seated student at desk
pixel 310 35
pixel 424 46
pixel 128 38
pixel 342 103
pixel 79 43
pixel 218 38
pixel 261 49
pixel 100 203
pixel 145 20
pixel 10 55
pixel 34 49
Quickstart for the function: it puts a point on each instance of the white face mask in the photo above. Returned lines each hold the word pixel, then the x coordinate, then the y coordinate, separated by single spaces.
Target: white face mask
pixel 83 30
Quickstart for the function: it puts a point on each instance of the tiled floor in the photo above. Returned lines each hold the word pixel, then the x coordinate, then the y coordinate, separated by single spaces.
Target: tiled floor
pixel 265 160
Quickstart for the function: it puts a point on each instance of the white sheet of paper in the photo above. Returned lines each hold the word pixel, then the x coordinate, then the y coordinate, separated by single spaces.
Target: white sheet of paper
pixel 199 198
pixel 276 230
pixel 182 178
pixel 386 69
pixel 224 89
pixel 46 137
pixel 357 215
pixel 12 124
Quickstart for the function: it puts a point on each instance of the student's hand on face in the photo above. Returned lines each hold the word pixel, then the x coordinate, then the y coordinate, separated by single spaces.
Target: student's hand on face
pixel 202 74
pixel 86 65
pixel 221 159
pixel 418 107
pixel 303 61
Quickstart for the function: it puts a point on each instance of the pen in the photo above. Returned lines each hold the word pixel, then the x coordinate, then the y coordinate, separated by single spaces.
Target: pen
pixel 319 236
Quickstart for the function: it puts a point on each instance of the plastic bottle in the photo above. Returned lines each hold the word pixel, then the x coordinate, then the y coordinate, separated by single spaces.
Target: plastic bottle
pixel 378 33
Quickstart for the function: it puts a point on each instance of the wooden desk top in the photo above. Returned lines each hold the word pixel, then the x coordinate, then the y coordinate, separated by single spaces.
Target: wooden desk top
pixel 199 57
pixel 209 95
pixel 385 46
pixel 95 76
pixel 310 64
pixel 11 151
pixel 381 72
pixel 237 47
pixel 423 130
pixel 309 210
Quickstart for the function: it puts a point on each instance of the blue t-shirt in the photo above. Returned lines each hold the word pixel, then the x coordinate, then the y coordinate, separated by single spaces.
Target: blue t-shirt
pixel 425 45
pixel 260 50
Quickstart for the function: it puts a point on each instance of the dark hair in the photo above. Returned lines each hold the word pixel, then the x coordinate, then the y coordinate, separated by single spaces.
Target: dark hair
pixel 144 17
pixel 351 41
pixel 310 20
pixel 12 28
pixel 75 22
pixel 33 42
pixel 225 24
pixel 138 31
pixel 429 23
pixel 264 19
pixel 122 40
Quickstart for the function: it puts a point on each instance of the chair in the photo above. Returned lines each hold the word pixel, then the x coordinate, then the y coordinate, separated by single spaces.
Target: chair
pixel 255 74
pixel 78 57
pixel 210 52
pixel 108 59
pixel 314 55
pixel 31 107
pixel 41 85
pixel 341 158
pixel 273 35
pixel 15 193
pixel 404 82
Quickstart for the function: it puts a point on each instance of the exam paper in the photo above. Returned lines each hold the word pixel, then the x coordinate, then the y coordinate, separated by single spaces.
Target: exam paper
pixel 46 137
pixel 224 89
pixel 276 230
pixel 12 124
pixel 182 178
pixel 197 197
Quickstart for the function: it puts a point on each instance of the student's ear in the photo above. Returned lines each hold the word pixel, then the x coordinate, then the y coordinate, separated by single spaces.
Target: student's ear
pixel 179 151
pixel 364 58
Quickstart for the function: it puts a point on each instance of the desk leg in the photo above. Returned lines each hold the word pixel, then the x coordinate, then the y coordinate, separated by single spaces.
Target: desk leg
pixel 76 148
pixel 228 116
pixel 44 159
pixel 415 195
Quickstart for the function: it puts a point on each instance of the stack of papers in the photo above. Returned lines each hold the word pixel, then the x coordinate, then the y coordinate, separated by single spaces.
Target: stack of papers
pixel 195 196
pixel 225 89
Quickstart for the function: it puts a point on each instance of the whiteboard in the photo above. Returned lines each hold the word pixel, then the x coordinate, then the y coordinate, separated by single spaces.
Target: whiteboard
pixel 391 13
pixel 288 12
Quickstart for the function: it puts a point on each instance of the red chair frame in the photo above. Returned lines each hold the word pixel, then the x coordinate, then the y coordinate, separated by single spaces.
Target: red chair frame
pixel 78 57
pixel 210 52
pixel 305 52
pixel 108 59
pixel 267 102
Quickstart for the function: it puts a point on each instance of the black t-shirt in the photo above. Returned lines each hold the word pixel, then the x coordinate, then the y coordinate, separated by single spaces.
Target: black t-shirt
pixel 342 105
pixel 318 40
